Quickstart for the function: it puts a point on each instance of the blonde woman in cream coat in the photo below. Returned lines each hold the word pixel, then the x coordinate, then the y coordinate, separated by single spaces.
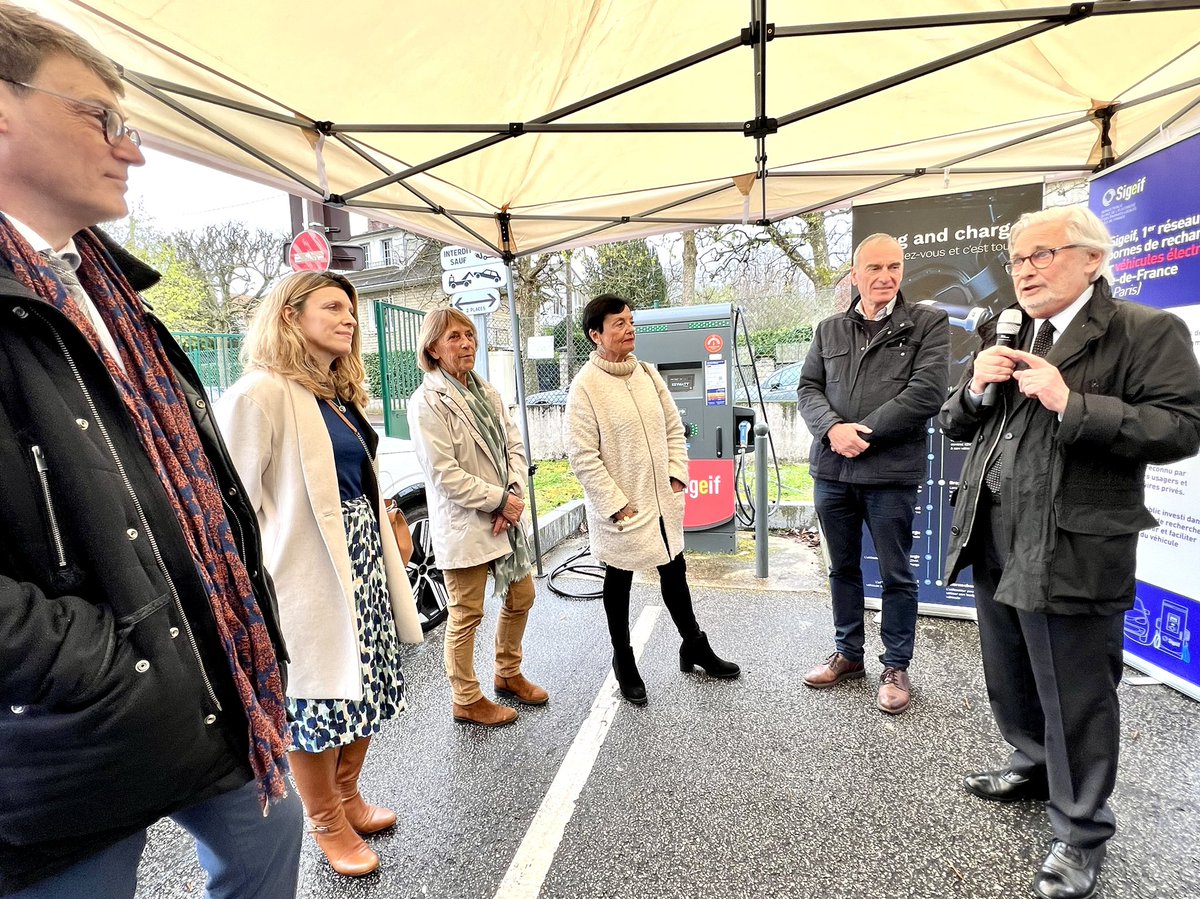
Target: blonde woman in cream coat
pixel 306 455
pixel 626 445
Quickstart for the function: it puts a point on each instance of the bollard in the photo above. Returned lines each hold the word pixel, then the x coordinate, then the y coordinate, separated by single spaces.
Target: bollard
pixel 761 510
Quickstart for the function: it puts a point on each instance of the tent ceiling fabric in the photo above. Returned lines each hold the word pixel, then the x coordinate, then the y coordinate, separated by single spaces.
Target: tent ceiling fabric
pixel 984 94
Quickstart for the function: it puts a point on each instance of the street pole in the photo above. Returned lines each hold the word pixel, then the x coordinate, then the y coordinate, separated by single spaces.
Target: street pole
pixel 481 346
pixel 762 510
pixel 515 331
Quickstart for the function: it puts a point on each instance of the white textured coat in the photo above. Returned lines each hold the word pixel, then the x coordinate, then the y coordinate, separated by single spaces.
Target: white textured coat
pixel 284 456
pixel 625 441
pixel 464 487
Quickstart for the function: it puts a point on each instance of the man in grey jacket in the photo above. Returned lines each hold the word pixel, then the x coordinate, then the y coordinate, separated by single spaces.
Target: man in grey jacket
pixel 1047 514
pixel 872 379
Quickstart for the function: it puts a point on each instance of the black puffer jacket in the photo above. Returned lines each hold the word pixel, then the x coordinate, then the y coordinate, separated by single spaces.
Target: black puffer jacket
pixel 116 701
pixel 893 384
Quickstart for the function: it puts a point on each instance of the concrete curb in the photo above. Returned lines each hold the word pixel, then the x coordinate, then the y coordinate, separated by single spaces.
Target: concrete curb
pixel 566 520
pixel 555 527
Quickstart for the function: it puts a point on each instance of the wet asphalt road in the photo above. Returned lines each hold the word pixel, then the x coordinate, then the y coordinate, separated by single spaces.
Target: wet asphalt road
pixel 753 788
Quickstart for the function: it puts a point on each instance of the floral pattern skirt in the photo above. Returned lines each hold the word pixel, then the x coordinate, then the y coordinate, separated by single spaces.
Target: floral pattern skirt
pixel 319 724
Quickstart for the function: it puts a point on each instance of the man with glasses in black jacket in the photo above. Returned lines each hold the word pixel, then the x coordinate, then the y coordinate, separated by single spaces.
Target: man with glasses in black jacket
pixel 1047 514
pixel 140 659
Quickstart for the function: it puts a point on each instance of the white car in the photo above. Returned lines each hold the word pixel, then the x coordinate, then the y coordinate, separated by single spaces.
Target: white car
pixel 402 480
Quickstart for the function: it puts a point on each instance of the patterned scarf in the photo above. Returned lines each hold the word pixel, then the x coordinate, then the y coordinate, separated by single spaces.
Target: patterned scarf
pixel 510 568
pixel 159 411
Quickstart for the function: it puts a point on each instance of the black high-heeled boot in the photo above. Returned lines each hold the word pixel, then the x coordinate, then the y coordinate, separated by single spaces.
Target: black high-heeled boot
pixel 696 651
pixel 625 668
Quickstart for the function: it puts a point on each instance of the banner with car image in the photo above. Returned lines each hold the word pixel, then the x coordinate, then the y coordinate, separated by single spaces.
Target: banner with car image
pixel 955 246
pixel 1152 209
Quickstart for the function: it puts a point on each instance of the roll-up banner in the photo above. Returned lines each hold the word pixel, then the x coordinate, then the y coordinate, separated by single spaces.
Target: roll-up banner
pixel 1152 209
pixel 955 246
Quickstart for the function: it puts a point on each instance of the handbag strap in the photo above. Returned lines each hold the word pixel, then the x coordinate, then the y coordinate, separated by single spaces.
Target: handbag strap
pixel 342 415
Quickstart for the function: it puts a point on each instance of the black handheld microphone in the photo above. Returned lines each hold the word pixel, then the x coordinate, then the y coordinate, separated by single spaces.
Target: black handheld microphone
pixel 1006 335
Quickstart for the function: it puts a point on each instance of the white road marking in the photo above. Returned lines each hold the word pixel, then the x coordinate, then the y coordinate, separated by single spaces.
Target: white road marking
pixel 529 866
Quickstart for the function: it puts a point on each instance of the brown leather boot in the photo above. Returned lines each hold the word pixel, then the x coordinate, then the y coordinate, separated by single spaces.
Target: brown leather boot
pixel 483 712
pixel 315 774
pixel 521 688
pixel 360 814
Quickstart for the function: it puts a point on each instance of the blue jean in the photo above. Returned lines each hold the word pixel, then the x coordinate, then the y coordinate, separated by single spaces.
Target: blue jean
pixel 888 514
pixel 246 855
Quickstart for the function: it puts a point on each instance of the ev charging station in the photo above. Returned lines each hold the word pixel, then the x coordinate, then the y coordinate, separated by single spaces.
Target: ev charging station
pixel 693 349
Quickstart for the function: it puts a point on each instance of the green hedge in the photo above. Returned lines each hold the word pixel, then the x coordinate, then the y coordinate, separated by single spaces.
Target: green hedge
pixel 765 341
pixel 404 375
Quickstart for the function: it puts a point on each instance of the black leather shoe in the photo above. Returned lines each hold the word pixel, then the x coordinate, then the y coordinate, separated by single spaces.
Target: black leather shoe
pixel 1069 872
pixel 1006 786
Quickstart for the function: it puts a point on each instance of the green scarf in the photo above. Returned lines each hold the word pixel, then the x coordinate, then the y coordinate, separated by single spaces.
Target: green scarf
pixel 514 566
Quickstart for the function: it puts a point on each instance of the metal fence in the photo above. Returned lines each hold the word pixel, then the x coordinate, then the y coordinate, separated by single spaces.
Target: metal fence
pixel 547 380
pixel 399 374
pixel 214 356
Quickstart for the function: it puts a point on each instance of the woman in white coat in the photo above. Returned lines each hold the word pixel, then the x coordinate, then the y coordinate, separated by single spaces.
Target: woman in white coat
pixel 626 445
pixel 306 456
pixel 475 468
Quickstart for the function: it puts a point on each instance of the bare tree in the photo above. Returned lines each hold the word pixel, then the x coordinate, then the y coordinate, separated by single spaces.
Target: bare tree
pixel 689 268
pixel 807 251
pixel 237 266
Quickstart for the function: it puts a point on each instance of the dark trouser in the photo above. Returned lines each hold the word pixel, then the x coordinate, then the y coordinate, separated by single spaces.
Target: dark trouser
pixel 1052 682
pixel 672 579
pixel 246 855
pixel 888 514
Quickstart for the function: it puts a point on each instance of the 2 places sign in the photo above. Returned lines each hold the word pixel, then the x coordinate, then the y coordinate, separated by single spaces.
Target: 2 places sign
pixel 472 280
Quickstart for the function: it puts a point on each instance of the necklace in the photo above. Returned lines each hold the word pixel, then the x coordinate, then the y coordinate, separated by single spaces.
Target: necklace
pixel 340 409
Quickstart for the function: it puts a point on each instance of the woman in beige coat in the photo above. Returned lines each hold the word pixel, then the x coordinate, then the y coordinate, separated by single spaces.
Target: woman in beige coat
pixel 626 445
pixel 475 468
pixel 306 455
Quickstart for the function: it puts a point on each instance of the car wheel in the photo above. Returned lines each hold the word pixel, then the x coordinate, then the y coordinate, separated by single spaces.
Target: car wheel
pixel 427 580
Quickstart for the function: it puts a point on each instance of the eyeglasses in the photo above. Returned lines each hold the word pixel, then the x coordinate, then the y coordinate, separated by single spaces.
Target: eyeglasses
pixel 1039 260
pixel 112 123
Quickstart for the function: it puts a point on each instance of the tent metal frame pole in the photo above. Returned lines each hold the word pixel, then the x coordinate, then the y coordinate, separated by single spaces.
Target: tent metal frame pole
pixel 943 62
pixel 221 132
pixel 507 129
pixel 517 128
pixel 1163 126
pixel 932 169
pixel 293 119
pixel 1070 13
pixel 756 36
pixel 514 328
pixel 761 33
pixel 353 146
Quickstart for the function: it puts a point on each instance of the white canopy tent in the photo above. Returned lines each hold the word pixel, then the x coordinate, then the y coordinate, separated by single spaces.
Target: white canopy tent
pixel 516 127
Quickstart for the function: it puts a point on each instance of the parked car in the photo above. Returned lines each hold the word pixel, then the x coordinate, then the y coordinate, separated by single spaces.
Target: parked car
pixel 777 387
pixel 402 480
pixel 556 397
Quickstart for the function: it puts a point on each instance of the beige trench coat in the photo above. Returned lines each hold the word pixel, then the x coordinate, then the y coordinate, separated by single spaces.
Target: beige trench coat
pixel 463 486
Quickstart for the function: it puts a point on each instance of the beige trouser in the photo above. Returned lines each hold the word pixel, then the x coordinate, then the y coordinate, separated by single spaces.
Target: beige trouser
pixel 466 587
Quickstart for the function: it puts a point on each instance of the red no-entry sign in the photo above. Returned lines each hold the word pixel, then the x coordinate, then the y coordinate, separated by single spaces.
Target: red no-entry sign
pixel 309 252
